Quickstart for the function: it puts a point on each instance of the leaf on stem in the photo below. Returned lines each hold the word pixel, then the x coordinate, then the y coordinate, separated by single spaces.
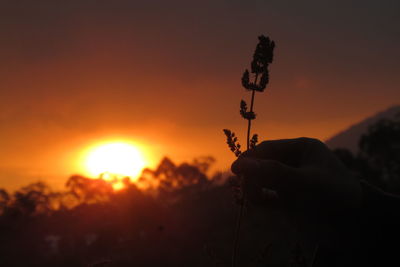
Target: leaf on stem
pixel 253 141
pixel 248 115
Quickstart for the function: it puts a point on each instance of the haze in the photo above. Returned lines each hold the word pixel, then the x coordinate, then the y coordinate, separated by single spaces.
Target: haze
pixel 166 74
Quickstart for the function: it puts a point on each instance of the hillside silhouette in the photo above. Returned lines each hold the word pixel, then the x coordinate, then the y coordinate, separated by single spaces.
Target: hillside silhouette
pixel 349 137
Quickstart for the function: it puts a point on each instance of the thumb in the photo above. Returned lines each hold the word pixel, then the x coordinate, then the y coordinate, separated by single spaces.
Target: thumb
pixel 269 174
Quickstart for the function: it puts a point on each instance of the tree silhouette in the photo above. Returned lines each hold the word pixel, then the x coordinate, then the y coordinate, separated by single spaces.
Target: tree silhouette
pixel 380 146
pixel 378 161
pixel 32 199
pixel 88 190
pixel 4 200
pixel 173 180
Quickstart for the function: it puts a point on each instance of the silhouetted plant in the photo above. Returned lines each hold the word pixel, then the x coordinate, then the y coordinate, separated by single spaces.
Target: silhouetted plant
pixel 254 80
pixel 231 140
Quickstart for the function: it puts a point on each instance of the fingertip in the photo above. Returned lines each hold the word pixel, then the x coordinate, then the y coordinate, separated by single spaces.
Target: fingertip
pixel 235 167
pixel 244 165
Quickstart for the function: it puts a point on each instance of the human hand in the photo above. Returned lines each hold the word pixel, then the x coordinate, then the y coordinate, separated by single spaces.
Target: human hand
pixel 306 175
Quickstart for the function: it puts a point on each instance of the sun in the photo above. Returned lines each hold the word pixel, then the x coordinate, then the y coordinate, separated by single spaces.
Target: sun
pixel 115 159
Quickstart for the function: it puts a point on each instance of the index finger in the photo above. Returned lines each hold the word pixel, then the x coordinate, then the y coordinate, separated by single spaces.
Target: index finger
pixel 288 151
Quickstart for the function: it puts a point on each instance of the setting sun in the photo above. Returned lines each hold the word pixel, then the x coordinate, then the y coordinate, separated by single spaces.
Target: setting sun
pixel 115 159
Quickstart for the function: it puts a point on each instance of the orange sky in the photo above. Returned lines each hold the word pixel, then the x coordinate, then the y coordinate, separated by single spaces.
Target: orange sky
pixel 167 75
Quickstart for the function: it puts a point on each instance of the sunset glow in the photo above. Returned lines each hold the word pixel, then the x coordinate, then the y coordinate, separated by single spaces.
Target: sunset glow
pixel 115 159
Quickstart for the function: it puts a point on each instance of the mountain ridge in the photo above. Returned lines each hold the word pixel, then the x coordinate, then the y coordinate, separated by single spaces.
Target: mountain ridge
pixel 349 137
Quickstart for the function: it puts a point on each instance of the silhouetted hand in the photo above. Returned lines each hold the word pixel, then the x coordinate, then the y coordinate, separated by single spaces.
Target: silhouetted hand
pixel 304 173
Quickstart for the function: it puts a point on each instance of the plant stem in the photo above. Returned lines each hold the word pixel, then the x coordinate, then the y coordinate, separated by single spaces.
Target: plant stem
pixel 249 121
pixel 241 208
pixel 251 110
pixel 237 232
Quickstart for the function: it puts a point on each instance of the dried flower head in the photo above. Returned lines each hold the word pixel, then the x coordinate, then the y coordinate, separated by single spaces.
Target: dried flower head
pixel 232 142
pixel 246 79
pixel 263 56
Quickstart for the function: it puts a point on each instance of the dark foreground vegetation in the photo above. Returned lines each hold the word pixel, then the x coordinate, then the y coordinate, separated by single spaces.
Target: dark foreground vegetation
pixel 176 215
